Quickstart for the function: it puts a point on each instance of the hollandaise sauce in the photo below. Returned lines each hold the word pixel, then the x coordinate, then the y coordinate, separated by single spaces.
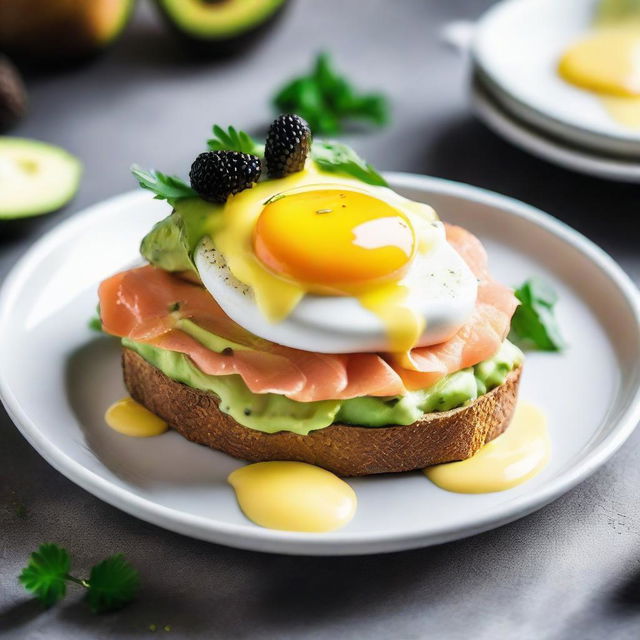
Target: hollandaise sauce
pixel 607 62
pixel 132 419
pixel 403 324
pixel 514 457
pixel 293 496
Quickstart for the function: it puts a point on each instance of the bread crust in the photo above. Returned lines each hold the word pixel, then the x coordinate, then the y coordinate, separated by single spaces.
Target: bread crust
pixel 346 450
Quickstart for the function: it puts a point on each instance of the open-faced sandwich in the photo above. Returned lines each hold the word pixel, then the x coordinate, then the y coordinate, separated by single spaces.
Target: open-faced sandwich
pixel 294 307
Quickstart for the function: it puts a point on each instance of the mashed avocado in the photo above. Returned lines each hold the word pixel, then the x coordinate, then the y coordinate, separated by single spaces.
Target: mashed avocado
pixel 266 412
pixel 270 412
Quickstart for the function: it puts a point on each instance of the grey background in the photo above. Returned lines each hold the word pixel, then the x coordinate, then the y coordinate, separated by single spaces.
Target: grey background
pixel 572 570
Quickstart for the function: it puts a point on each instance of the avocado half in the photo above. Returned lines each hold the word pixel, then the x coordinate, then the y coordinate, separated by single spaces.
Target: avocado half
pixel 13 96
pixel 58 32
pixel 220 27
pixel 35 178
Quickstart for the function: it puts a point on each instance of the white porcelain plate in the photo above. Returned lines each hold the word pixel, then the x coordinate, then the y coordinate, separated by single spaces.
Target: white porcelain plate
pixel 517 45
pixel 527 137
pixel 57 378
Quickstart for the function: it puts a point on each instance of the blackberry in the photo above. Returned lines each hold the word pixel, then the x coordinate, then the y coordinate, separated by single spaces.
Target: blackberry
pixel 216 175
pixel 287 146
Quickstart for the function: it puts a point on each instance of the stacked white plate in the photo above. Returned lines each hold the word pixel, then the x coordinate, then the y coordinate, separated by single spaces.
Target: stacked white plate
pixel 516 89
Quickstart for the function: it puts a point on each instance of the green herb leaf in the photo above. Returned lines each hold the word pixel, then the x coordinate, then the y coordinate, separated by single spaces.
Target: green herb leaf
pixel 232 140
pixel 165 187
pixel 45 575
pixel 534 323
pixel 336 157
pixel 325 99
pixel 112 584
pixel 95 323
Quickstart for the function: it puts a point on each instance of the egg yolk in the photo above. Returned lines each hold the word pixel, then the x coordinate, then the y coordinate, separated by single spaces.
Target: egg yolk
pixel 334 240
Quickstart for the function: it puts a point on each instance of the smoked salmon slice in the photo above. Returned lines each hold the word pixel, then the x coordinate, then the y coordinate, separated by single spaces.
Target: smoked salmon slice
pixel 145 304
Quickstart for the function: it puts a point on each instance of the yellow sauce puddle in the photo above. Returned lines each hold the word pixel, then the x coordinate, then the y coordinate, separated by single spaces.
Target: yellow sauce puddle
pixel 404 325
pixel 626 111
pixel 514 457
pixel 607 62
pixel 132 419
pixel 293 496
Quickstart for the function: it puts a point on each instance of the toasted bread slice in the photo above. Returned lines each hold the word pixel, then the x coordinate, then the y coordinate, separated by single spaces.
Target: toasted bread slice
pixel 346 450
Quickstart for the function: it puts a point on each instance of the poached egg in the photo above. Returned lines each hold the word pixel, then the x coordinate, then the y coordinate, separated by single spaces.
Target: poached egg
pixel 328 264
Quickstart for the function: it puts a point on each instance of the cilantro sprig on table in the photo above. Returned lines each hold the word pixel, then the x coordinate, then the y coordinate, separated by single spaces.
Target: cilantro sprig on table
pixel 112 583
pixel 326 99
pixel 534 323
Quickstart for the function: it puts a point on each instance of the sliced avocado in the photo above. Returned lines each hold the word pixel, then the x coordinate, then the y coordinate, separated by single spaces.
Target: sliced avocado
pixel 220 26
pixel 171 242
pixel 51 33
pixel 165 246
pixel 35 177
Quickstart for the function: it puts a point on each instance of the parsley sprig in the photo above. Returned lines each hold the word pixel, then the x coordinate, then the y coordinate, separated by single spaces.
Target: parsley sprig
pixel 336 157
pixel 326 99
pixel 534 323
pixel 165 187
pixel 232 140
pixel 112 583
pixel 329 155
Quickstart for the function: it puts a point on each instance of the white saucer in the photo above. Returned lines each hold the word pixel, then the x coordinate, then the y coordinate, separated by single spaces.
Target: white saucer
pixel 57 378
pixel 516 46
pixel 542 145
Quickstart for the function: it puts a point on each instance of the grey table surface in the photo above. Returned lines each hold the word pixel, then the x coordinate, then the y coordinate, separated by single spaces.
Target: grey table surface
pixel 571 570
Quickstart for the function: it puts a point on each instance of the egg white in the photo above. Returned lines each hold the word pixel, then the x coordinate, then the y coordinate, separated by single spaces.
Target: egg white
pixel 441 286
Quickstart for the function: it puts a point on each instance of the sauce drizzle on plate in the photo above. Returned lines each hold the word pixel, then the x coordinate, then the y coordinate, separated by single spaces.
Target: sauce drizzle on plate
pixel 132 419
pixel 293 496
pixel 514 457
